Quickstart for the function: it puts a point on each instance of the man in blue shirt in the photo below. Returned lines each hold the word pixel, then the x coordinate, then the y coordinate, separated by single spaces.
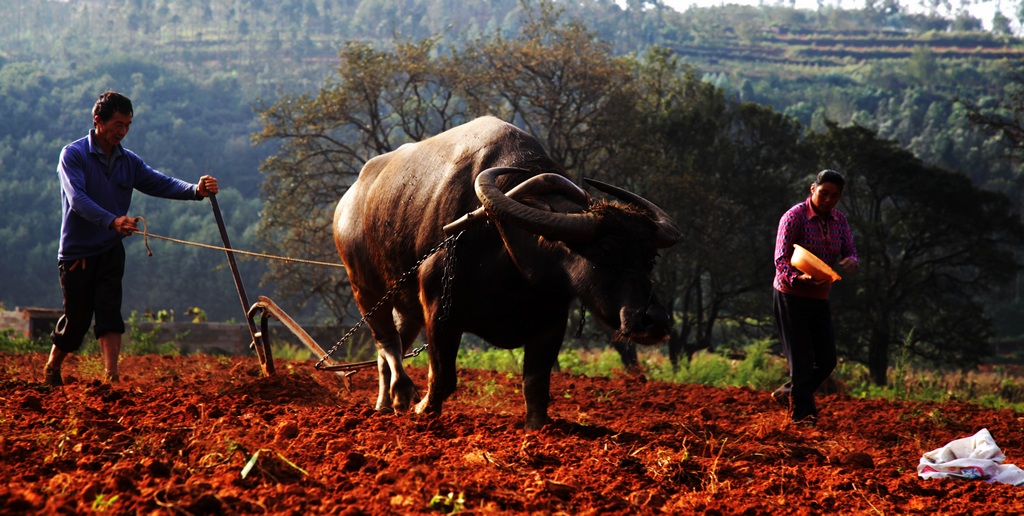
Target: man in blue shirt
pixel 97 177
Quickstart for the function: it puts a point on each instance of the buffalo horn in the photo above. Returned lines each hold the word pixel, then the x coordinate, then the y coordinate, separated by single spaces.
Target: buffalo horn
pixel 668 234
pixel 568 227
pixel 534 186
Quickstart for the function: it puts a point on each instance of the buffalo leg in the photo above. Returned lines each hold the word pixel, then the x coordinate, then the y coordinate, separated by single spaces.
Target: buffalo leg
pixel 383 384
pixel 395 390
pixel 442 378
pixel 627 352
pixel 408 330
pixel 538 359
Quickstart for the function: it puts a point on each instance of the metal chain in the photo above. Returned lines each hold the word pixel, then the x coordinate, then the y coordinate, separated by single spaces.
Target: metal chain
pixel 387 295
pixel 448 279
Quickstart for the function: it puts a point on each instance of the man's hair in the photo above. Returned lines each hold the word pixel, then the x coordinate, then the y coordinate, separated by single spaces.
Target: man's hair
pixel 830 176
pixel 111 102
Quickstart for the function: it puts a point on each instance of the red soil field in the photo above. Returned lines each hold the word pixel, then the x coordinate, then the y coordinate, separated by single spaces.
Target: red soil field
pixel 210 435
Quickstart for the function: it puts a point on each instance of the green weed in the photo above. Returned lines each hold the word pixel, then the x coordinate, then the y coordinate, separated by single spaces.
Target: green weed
pixel 492 389
pixel 489 394
pixel 937 418
pixel 448 503
pixel 103 502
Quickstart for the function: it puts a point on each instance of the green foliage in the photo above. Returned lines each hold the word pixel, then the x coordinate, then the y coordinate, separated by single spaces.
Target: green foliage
pixel 605 362
pixel 760 369
pixel 147 343
pixel 481 357
pixel 723 168
pixel 285 351
pixel 987 387
pixel 12 341
pixel 91 348
pixel 703 368
pixel 493 359
pixel 198 314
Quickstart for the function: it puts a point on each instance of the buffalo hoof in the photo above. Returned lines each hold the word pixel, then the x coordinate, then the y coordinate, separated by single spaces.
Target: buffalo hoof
pixel 425 407
pixel 403 394
pixel 536 422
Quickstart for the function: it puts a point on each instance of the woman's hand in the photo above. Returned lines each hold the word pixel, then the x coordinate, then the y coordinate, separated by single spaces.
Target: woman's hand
pixel 807 278
pixel 849 264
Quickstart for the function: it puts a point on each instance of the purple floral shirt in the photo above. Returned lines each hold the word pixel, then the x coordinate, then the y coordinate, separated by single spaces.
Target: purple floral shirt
pixel 829 237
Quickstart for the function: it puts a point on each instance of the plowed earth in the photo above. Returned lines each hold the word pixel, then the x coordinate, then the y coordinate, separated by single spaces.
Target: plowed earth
pixel 210 435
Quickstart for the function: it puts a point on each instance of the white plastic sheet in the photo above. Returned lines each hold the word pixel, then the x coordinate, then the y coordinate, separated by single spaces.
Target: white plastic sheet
pixel 975 457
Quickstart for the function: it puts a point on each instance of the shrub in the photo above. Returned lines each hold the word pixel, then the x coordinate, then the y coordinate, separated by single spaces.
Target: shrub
pixel 11 341
pixel 147 343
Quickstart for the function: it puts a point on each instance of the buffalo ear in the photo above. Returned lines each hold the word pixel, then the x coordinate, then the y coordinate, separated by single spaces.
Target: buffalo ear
pixel 668 234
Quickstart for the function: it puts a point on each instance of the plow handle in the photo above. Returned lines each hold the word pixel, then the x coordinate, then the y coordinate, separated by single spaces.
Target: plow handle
pixel 266 362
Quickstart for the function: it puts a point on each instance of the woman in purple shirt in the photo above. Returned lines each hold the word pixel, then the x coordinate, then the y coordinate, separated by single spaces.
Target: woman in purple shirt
pixel 97 177
pixel 802 310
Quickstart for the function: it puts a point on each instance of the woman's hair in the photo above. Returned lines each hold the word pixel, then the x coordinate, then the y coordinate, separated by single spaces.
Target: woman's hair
pixel 830 176
pixel 111 102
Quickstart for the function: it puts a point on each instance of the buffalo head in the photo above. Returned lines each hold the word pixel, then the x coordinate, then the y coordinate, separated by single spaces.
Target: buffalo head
pixel 607 250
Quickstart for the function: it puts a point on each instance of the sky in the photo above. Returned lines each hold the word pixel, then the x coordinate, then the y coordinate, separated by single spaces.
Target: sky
pixel 983 9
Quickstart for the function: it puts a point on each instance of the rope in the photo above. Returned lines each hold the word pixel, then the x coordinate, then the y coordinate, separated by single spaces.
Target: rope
pixel 146 234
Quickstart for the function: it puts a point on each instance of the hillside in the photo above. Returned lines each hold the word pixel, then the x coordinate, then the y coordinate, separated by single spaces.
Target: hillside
pixel 782 47
pixel 201 72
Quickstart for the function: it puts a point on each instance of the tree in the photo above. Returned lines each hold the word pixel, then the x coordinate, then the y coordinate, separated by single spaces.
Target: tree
pixel 930 245
pixel 557 81
pixel 1001 24
pixel 923 66
pixel 554 80
pixel 653 127
pixel 1002 116
pixel 382 99
pixel 723 170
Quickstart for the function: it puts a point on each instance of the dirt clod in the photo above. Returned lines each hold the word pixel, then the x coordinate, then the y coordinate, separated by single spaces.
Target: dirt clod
pixel 176 433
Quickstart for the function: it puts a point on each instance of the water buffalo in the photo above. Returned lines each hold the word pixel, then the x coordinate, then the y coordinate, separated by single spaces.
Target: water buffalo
pixel 530 242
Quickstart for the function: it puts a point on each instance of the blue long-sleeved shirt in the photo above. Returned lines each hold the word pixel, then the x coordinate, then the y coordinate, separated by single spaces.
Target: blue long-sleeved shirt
pixel 93 194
